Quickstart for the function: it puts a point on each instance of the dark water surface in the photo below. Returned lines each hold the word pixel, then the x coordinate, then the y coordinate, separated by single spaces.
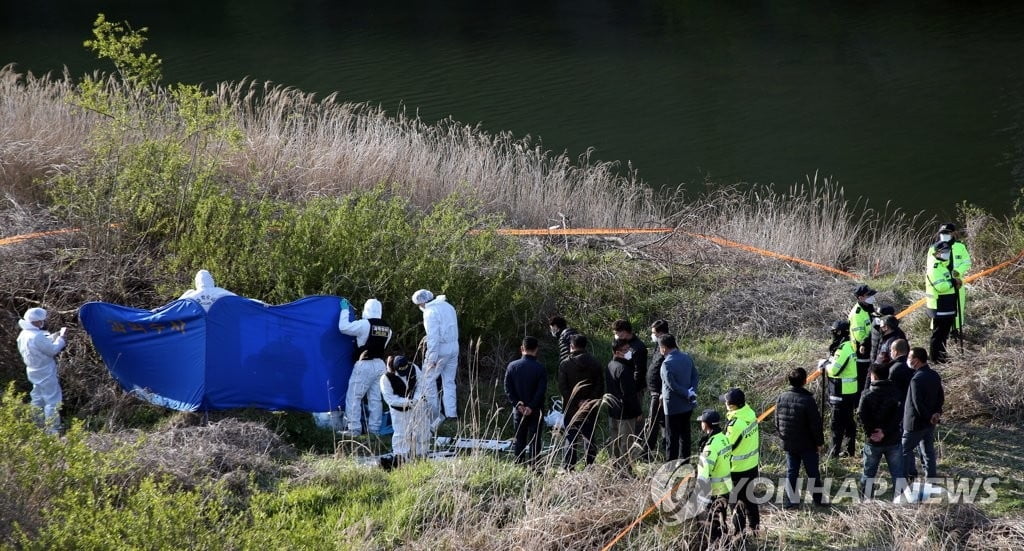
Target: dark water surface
pixel 918 103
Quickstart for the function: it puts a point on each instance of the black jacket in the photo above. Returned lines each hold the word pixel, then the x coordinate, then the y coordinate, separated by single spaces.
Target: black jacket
pixel 639 362
pixel 654 372
pixel 880 354
pixel 564 341
pixel 798 420
pixel 526 381
pixel 900 373
pixel 880 409
pixel 924 399
pixel 622 399
pixel 580 382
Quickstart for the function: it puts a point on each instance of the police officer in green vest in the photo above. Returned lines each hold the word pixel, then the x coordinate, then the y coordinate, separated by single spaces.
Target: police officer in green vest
pixel 841 370
pixel 940 288
pixel 744 434
pixel 714 467
pixel 714 471
pixel 860 319
pixel 959 264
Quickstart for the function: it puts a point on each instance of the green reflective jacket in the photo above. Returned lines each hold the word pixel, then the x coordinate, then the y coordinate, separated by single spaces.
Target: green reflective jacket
pixel 860 325
pixel 842 369
pixel 745 437
pixel 714 464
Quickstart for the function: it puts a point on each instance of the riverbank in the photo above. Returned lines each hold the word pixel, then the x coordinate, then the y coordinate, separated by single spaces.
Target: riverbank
pixel 249 197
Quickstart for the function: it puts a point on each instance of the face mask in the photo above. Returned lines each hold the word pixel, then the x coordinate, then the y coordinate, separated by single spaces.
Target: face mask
pixel 945 237
pixel 654 338
pixel 870 300
pixel 943 256
pixel 628 355
pixel 554 332
pixel 878 323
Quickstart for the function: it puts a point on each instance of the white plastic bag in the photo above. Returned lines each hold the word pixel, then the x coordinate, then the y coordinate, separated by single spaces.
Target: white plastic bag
pixel 554 418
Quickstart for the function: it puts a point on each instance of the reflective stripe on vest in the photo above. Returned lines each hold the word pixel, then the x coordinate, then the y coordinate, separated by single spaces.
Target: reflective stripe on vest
pixel 711 469
pixel 844 379
pixel 747 442
pixel 738 458
pixel 860 324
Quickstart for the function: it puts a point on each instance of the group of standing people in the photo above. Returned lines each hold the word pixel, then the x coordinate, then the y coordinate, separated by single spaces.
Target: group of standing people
pixel 729 449
pixel 872 373
pixel 418 400
pixel 669 379
pixel 874 376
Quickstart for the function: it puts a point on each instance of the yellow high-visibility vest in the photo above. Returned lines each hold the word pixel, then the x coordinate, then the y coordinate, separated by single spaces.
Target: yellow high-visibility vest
pixel 745 437
pixel 714 464
pixel 842 367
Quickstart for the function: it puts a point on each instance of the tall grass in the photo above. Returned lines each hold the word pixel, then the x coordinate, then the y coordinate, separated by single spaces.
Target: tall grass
pixel 815 221
pixel 297 147
pixel 40 133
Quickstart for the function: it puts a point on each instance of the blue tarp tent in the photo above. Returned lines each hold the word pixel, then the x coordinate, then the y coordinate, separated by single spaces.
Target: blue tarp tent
pixel 241 353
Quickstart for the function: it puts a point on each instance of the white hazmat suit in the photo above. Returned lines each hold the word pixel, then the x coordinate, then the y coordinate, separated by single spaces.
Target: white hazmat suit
pixel 410 414
pixel 205 293
pixel 372 336
pixel 442 355
pixel 39 349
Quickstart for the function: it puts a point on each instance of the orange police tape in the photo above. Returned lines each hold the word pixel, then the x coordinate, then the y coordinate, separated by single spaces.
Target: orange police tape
pixel 27 236
pixel 766 413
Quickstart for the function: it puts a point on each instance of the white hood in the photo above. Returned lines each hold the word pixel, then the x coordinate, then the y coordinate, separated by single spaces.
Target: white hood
pixel 372 309
pixel 204 280
pixel 27 325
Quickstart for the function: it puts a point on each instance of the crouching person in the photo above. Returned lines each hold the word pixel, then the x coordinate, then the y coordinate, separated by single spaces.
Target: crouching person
pixel 403 391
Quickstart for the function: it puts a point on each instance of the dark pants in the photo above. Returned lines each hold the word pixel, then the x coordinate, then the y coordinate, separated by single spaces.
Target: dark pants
pixel 922 441
pixel 652 427
pixel 528 434
pixel 941 326
pixel 715 523
pixel 873 454
pixel 746 511
pixel 581 431
pixel 809 458
pixel 863 365
pixel 677 431
pixel 843 424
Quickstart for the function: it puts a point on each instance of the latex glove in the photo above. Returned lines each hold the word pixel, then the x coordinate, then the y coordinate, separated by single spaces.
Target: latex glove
pixel 344 304
pixel 63 331
pixel 821 363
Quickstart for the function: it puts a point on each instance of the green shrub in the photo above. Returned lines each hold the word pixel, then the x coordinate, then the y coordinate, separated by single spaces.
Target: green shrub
pixel 366 245
pixel 43 476
pixel 155 152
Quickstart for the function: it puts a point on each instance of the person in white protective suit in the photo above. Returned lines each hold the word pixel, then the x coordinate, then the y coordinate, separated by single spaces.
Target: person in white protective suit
pixel 205 293
pixel 404 390
pixel 372 336
pixel 442 355
pixel 39 350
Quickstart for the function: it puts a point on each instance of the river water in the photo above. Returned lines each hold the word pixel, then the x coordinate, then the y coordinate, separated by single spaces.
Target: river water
pixel 920 104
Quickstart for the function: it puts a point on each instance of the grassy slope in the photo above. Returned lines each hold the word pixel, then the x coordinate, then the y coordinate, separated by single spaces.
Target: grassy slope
pixel 747 321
